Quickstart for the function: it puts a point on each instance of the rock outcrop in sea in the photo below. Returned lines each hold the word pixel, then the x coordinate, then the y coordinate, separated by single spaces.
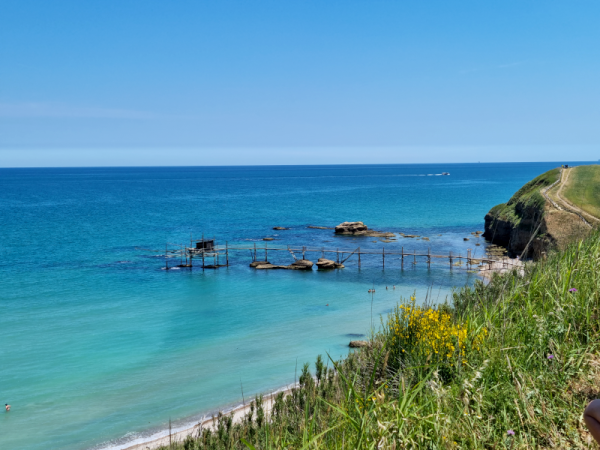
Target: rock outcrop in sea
pixel 300 264
pixel 358 344
pixel 326 264
pixel 359 229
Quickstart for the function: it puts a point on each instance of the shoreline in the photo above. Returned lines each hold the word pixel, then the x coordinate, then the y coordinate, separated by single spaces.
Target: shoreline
pixel 162 437
pixel 506 264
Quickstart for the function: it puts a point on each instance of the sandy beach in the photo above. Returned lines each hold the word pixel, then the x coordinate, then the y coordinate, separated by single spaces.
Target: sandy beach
pixel 503 265
pixel 237 413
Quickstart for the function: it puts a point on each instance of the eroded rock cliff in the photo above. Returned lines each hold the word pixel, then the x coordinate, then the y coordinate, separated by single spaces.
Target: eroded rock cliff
pixel 520 224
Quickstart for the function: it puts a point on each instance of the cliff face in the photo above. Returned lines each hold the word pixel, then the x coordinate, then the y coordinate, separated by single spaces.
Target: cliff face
pixel 521 223
pixel 516 234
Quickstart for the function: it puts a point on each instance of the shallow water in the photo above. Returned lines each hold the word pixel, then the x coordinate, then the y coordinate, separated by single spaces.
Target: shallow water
pixel 99 346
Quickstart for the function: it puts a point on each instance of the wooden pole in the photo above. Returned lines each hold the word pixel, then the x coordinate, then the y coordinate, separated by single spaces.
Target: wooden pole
pixel 303 252
pixel 414 257
pixel 255 251
pixel 166 257
pixel 450 259
pixel 402 257
pixel 266 255
pixel 359 257
pixel 227 252
pixel 429 258
pixel 337 255
pixel 383 256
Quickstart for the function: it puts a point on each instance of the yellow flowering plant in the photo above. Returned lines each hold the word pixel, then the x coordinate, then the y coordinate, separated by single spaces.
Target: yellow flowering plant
pixel 431 332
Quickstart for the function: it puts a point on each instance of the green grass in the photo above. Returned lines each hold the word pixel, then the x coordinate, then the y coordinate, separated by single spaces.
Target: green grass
pixel 583 188
pixel 529 196
pixel 520 354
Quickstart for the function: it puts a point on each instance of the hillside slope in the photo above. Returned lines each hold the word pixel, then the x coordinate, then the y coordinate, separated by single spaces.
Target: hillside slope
pixel 536 218
pixel 582 189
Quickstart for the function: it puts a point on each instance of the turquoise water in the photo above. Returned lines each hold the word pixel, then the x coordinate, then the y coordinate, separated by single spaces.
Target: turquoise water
pixel 99 346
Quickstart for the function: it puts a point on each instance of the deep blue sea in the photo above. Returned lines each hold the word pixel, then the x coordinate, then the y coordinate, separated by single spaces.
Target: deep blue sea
pixel 99 346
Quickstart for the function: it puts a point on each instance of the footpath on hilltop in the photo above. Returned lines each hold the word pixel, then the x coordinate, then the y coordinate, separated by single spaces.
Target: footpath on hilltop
pixel 551 211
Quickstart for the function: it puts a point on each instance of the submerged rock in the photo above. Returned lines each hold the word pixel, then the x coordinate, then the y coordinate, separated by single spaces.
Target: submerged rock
pixel 318 228
pixel 268 239
pixel 358 344
pixel 280 228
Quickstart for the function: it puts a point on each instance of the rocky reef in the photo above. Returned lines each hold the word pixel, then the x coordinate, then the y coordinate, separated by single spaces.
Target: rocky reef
pixel 326 264
pixel 300 264
pixel 359 229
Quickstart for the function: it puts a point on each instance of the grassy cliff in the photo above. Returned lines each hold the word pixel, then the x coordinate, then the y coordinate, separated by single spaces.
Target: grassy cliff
pixel 530 224
pixel 510 364
pixel 527 198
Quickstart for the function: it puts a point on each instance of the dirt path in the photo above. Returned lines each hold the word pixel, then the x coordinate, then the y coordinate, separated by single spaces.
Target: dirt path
pixel 568 206
pixel 545 191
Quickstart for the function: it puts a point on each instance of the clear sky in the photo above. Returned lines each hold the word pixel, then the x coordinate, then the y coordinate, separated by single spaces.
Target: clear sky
pixel 298 81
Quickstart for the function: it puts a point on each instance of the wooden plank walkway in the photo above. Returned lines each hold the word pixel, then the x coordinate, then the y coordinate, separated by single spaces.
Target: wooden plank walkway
pixel 223 252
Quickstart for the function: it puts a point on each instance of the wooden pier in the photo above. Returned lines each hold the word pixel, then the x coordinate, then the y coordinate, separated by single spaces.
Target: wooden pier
pixel 207 250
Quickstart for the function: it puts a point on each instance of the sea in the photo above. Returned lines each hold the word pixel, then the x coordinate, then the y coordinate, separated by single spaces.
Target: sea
pixel 100 347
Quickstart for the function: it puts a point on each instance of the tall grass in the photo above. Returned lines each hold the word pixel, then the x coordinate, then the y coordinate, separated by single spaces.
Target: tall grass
pixel 583 188
pixel 510 364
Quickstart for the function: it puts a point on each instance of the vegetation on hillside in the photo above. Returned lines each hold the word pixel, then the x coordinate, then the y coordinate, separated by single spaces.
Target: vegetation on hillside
pixel 510 364
pixel 583 188
pixel 528 196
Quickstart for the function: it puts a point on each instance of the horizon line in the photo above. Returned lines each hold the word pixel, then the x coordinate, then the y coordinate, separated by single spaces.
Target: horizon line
pixel 287 165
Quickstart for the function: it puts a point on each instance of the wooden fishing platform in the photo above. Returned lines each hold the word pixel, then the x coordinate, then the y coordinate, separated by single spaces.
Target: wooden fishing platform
pixel 207 249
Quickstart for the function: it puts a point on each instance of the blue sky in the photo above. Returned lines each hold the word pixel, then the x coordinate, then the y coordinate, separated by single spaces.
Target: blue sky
pixel 286 82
